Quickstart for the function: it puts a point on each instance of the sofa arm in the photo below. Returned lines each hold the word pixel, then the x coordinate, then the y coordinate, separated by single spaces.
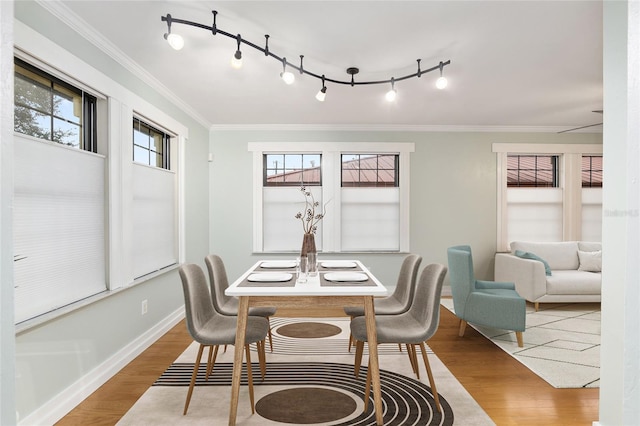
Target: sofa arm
pixel 527 274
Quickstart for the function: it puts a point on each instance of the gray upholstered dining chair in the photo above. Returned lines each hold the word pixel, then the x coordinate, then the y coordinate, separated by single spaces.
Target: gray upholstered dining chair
pixel 400 300
pixel 210 328
pixel 228 305
pixel 413 327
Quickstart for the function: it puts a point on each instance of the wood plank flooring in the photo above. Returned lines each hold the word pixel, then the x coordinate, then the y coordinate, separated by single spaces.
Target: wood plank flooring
pixel 505 389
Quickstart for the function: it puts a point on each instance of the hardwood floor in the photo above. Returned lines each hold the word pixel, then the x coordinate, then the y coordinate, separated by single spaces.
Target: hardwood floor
pixel 505 389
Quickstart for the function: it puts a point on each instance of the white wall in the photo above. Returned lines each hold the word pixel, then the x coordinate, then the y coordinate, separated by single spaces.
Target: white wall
pixel 453 191
pixel 620 352
pixel 7 342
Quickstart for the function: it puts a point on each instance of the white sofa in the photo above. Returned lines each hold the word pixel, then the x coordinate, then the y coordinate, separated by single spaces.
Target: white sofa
pixel 575 271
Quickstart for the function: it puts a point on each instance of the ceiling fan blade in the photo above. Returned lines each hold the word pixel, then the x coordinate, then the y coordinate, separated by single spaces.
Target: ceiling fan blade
pixel 581 127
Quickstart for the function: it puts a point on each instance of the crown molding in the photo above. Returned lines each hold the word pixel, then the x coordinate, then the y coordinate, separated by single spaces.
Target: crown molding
pixel 392 128
pixel 73 21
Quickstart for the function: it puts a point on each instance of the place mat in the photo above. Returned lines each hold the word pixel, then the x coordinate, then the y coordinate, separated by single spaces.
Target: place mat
pixel 290 283
pixel 275 265
pixel 327 283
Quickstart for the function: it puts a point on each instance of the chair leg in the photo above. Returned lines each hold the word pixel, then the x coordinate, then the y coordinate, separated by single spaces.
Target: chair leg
pixel 536 306
pixel 367 388
pixel 213 354
pixel 270 338
pixel 414 360
pixel 430 375
pixel 520 339
pixel 358 358
pixel 193 379
pixel 350 336
pixel 463 325
pixel 250 378
pixel 260 346
pixel 400 347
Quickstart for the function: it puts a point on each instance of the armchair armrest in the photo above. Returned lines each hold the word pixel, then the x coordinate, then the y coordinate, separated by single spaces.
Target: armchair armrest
pixel 481 284
pixel 528 275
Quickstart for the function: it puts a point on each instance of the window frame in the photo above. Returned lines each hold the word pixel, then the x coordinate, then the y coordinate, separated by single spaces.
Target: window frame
pixel 536 171
pixel 331 179
pixel 374 184
pixel 88 118
pixel 166 143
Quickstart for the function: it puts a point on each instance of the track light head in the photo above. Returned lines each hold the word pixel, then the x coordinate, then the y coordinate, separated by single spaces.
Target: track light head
pixel 236 60
pixel 441 82
pixel 175 40
pixel 322 93
pixel 391 94
pixel 287 76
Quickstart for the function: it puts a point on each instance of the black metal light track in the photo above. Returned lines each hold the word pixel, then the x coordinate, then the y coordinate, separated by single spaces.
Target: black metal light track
pixel 351 70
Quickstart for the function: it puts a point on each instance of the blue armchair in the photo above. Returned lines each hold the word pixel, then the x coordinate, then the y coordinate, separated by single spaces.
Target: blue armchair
pixel 488 303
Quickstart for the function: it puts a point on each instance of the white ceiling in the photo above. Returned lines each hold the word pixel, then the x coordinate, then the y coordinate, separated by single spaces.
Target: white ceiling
pixel 513 63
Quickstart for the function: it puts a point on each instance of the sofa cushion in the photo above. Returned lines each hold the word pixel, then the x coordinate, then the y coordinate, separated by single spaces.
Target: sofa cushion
pixel 590 261
pixel 574 282
pixel 532 256
pixel 589 246
pixel 559 255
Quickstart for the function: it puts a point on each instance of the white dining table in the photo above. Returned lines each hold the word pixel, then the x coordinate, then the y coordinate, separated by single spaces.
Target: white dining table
pixel 257 287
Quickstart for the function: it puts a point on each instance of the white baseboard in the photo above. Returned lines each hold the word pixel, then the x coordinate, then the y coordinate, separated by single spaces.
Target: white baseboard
pixel 56 408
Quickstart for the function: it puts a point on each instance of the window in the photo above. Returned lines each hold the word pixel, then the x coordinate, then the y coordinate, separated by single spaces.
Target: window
pixel 548 192
pixel 359 185
pixel 292 169
pixel 59 207
pixel 370 170
pixel 532 171
pixel 47 108
pixel 592 171
pixel 150 145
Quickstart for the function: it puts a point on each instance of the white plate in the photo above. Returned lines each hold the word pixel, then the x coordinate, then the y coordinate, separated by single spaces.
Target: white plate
pixel 338 264
pixel 278 264
pixel 345 276
pixel 270 277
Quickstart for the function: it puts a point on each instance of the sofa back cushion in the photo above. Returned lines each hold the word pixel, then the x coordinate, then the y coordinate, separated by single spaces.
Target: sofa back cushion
pixel 559 255
pixel 589 246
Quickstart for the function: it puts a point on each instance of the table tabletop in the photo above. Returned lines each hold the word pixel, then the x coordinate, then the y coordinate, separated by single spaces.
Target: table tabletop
pixel 314 286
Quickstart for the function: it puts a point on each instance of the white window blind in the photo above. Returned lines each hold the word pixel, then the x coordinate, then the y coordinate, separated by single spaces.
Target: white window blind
pixel 370 219
pixel 591 214
pixel 154 219
pixel 534 214
pixel 59 226
pixel 282 231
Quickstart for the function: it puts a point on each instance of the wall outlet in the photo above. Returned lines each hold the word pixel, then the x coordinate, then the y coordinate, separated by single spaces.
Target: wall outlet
pixel 144 306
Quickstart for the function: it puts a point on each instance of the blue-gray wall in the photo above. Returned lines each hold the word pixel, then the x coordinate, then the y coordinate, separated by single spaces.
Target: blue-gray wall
pixel 453 192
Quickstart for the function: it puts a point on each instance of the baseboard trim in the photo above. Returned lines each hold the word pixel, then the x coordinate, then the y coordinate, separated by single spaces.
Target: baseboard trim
pixel 56 408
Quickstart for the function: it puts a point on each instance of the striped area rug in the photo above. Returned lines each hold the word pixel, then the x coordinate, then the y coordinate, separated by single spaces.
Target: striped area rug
pixel 310 381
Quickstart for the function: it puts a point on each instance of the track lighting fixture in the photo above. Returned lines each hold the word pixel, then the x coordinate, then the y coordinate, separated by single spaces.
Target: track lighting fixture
pixel 322 93
pixel 236 60
pixel 177 42
pixel 391 94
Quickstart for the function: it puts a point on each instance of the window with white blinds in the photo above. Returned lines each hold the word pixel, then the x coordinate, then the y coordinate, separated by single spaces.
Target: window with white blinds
pixel 59 226
pixel 365 215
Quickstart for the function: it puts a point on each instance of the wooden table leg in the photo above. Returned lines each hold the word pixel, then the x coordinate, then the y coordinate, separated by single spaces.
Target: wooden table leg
pixel 374 367
pixel 241 330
